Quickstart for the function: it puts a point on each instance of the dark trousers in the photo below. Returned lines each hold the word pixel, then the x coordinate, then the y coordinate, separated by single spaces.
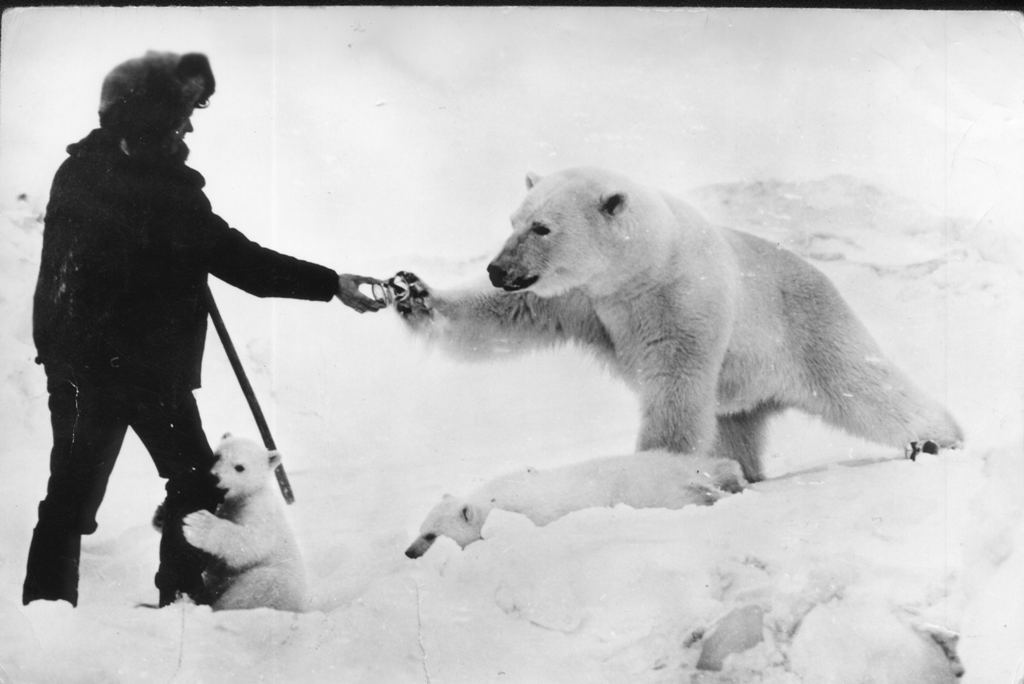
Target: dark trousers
pixel 89 423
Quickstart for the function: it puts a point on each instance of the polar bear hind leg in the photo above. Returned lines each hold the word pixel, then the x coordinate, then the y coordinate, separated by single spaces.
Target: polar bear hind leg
pixel 856 389
pixel 844 377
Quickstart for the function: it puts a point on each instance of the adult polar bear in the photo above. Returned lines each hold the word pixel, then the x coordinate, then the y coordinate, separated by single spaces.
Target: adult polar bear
pixel 715 329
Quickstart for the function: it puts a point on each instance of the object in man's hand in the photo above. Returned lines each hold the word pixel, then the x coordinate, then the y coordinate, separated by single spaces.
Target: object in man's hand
pixel 394 290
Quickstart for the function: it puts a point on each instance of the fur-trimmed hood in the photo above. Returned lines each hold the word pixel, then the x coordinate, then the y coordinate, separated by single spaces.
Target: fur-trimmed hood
pixel 149 95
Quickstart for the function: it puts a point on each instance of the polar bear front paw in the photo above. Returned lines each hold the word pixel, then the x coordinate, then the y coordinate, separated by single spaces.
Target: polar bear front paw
pixel 925 447
pixel 412 296
pixel 198 528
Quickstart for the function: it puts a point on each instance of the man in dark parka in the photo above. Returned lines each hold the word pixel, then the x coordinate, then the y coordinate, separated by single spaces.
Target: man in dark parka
pixel 118 318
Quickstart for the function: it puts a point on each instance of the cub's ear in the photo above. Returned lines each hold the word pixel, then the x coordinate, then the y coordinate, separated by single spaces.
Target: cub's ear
pixel 532 179
pixel 467 513
pixel 613 204
pixel 225 435
pixel 274 458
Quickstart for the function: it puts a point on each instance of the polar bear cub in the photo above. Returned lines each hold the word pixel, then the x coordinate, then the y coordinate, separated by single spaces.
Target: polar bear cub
pixel 655 479
pixel 256 558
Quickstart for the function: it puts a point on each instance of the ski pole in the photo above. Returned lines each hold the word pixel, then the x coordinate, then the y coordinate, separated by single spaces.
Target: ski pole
pixel 250 396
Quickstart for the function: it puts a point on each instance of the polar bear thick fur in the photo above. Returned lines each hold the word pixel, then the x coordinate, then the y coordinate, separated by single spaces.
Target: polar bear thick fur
pixel 256 560
pixel 716 330
pixel 656 479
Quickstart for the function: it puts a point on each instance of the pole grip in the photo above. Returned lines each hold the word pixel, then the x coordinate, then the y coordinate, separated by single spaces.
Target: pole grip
pixel 250 395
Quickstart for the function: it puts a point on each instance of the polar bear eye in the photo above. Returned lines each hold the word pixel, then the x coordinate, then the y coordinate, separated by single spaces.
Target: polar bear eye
pixel 239 468
pixel 539 229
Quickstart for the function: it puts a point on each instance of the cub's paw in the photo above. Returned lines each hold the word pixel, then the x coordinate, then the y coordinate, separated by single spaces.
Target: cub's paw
pixel 198 528
pixel 412 296
pixel 703 494
pixel 727 476
pixel 715 480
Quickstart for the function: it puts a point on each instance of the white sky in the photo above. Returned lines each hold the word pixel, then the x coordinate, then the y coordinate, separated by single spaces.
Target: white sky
pixel 322 111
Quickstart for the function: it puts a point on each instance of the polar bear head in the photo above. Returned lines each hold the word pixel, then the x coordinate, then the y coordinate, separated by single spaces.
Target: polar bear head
pixel 242 467
pixel 457 519
pixel 576 228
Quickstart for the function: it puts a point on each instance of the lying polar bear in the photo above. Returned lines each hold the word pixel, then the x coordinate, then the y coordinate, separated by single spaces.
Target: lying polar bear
pixel 652 479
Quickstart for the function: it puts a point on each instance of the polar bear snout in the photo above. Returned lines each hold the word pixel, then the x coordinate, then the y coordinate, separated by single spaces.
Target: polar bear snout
pixel 509 280
pixel 420 546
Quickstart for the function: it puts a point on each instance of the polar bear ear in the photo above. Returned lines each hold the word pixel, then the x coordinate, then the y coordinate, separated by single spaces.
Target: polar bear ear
pixel 225 435
pixel 532 179
pixel 613 205
pixel 467 513
pixel 274 458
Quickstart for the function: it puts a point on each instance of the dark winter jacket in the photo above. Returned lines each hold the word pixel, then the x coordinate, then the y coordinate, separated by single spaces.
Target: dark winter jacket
pixel 127 248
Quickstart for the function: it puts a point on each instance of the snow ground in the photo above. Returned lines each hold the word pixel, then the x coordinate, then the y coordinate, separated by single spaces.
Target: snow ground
pixel 884 149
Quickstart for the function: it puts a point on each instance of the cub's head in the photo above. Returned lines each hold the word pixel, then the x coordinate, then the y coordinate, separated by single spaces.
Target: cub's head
pixel 571 228
pixel 242 467
pixel 454 518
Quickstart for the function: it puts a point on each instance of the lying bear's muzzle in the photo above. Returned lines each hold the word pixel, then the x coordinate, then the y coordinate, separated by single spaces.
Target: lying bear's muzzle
pixel 420 546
